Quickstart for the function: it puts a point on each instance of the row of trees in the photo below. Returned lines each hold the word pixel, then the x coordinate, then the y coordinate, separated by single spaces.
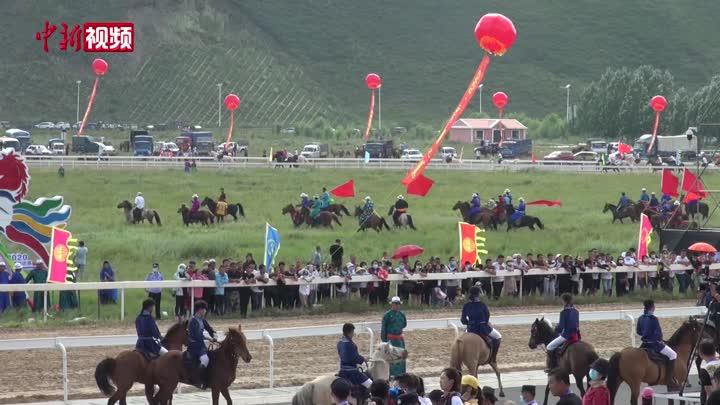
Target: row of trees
pixel 616 105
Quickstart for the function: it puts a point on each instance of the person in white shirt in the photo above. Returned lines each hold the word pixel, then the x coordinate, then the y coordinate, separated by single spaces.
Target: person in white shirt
pixel 682 277
pixel 630 261
pixel 140 201
pixel 451 285
pixel 307 289
pixel 499 280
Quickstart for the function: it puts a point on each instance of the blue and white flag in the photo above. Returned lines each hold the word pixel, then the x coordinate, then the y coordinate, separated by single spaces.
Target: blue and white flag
pixel 272 245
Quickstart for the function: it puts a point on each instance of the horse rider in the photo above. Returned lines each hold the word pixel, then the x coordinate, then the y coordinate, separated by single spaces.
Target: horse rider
pixel 221 210
pixel 519 213
pixel 368 210
pixel 148 334
pixel 476 316
pixel 491 204
pixel 665 198
pixel 316 207
pixel 326 200
pixel 194 206
pixel 222 197
pixel 305 201
pixel 139 205
pixel 196 341
pixel 644 197
pixel 648 327
pixel 501 206
pixel 475 207
pixel 400 207
pixel 624 202
pixel 508 197
pixel 676 215
pixel 568 329
pixel 654 204
pixel 350 358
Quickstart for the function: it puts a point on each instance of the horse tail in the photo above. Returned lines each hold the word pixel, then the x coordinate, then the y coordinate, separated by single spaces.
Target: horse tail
pixel 241 211
pixel 305 395
pixel 384 222
pixel 613 378
pixel 157 218
pixel 103 372
pixel 456 352
pixel 539 224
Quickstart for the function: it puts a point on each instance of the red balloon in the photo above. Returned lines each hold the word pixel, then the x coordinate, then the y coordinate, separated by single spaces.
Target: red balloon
pixel 232 102
pixel 495 33
pixel 100 67
pixel 500 100
pixel 658 103
pixel 373 81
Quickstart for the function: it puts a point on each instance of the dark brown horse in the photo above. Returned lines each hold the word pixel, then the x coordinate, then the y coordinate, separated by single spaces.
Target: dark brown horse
pixel 296 215
pixel 527 220
pixel 201 217
pixel 374 222
pixel 338 209
pixel 577 358
pixel 627 212
pixel 129 366
pixel 232 209
pixel 168 370
pixel 634 366
pixel 484 218
pixel 137 215
pixel 324 219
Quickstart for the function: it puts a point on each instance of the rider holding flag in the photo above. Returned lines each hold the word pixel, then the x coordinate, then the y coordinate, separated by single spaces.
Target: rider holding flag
pixel 148 341
pixel 476 316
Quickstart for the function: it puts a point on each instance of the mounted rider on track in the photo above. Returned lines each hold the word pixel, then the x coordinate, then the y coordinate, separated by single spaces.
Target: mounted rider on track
pixel 648 327
pixel 194 206
pixel 401 206
pixel 326 200
pixel 316 207
pixel 476 316
pixel 305 201
pixel 568 328
pixel 368 210
pixel 475 207
pixel 519 213
pixel 148 334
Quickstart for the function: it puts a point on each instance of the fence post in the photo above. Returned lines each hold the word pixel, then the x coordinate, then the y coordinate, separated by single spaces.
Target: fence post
pixel 632 327
pixel 271 355
pixel 372 340
pixel 45 302
pixel 122 304
pixel 60 346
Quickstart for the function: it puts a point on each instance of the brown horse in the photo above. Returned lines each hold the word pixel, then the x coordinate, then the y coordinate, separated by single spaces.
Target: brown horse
pixel 129 366
pixel 295 214
pixel 634 366
pixel 201 217
pixel 232 209
pixel 374 222
pixel 577 358
pixel 134 216
pixel 168 370
pixel 338 209
pixel 484 218
pixel 324 218
pixel 471 350
pixel 627 212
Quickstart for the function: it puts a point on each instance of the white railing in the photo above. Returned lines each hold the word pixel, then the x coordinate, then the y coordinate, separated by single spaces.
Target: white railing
pixel 371 328
pixel 141 162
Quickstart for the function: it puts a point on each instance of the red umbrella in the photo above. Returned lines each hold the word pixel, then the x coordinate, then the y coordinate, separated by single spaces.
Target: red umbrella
pixel 407 251
pixel 702 247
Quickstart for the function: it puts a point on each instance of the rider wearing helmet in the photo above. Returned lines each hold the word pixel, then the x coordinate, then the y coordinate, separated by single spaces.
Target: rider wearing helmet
pixel 568 328
pixel 648 327
pixel 400 207
pixel 350 358
pixel 644 197
pixel 148 341
pixel 476 316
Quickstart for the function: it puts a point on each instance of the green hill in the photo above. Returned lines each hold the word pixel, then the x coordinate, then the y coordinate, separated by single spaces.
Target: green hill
pixel 294 61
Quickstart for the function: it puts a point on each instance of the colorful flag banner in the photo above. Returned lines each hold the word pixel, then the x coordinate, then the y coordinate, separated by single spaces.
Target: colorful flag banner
pixel 62 246
pixel 344 190
pixel 644 238
pixel 669 183
pixel 548 203
pixel 471 243
pixel 692 184
pixel 420 186
pixel 371 113
pixel 272 245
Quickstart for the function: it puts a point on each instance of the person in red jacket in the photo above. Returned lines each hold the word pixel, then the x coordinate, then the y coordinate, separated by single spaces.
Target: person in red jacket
pixel 598 394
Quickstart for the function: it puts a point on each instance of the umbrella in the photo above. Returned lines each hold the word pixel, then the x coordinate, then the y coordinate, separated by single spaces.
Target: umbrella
pixel 702 247
pixel 407 251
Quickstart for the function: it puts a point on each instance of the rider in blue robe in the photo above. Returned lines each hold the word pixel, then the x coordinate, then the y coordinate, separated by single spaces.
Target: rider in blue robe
pixel 644 197
pixel 508 197
pixel 305 201
pixel 476 316
pixel 623 202
pixel 665 198
pixel 475 206
pixel 666 210
pixel 568 328
pixel 326 200
pixel 350 358
pixel 519 211
pixel 148 341
pixel 196 340
pixel 648 327
pixel 654 203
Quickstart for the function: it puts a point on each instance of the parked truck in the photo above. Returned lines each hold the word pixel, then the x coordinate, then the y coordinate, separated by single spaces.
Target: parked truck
pixel 379 149
pixel 86 145
pixel 315 150
pixel 200 142
pixel 141 143
pixel 665 146
pixel 515 149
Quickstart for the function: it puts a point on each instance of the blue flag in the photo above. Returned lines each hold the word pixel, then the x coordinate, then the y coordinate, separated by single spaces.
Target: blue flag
pixel 367 157
pixel 272 245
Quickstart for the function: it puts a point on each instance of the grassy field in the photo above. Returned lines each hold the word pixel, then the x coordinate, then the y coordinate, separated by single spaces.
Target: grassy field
pixel 573 228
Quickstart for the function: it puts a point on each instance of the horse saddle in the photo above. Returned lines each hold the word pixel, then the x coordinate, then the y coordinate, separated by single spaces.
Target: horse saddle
pixel 656 357
pixel 563 348
pixel 148 356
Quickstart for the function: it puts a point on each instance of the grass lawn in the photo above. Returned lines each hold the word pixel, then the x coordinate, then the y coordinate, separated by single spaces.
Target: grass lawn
pixel 573 228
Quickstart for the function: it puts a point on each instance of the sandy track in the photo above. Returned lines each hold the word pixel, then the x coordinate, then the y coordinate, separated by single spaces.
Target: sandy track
pixel 37 374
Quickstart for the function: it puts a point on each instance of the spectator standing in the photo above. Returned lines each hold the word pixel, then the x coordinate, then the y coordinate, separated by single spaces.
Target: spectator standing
pixel 4 296
pixel 336 254
pixel 340 391
pixel 681 275
pixel 155 293
pixel 470 388
pixel 306 291
pixel 450 382
pixel 710 364
pixel 559 382
pixel 80 259
pixel 260 277
pixel 19 298
pixel 606 277
pixel 598 394
pixel 38 275
pixel 221 279
pixel 714 397
pixel 107 275
pixel 317 257
pixel 180 275
pixel 451 286
pixel 498 280
pixel 197 292
pixel 631 262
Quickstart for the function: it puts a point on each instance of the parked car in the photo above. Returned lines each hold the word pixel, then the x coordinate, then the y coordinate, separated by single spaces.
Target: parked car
pixel 109 148
pixel 586 156
pixel 289 131
pixel 38 150
pixel 62 125
pixel 45 125
pixel 560 155
pixel 412 155
pixel 448 153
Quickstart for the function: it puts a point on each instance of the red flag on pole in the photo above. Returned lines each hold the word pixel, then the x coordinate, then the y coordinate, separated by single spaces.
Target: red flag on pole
pixel 669 183
pixel 344 190
pixel 420 186
pixel 691 197
pixel 691 184
pixel 624 148
pixel 644 238
pixel 548 203
pixel 471 243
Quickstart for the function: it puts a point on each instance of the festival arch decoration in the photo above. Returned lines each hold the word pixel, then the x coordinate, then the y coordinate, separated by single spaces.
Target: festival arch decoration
pixel 232 103
pixel 100 67
pixel 373 82
pixel 495 34
pixel 36 225
pixel 658 104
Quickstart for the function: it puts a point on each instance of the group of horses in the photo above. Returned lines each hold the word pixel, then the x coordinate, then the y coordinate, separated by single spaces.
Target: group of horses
pixel 300 215
pixel 490 218
pixel 683 219
pixel 205 217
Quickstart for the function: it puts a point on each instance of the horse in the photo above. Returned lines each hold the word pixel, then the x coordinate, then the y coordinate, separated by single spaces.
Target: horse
pixel 628 212
pixel 130 366
pixel 485 218
pixel 296 215
pixel 374 222
pixel 338 209
pixel 699 208
pixel 404 219
pixel 323 219
pixel 202 216
pixel 317 391
pixel 527 220
pixel 577 357
pixel 136 215
pixel 168 370
pixel 232 209
pixel 635 366
pixel 471 350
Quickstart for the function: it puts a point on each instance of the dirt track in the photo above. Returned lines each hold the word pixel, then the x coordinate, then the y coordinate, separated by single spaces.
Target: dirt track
pixel 36 375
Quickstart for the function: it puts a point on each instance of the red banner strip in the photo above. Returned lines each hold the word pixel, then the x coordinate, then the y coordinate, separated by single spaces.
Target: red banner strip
pixel 467 96
pixel 89 106
pixel 370 114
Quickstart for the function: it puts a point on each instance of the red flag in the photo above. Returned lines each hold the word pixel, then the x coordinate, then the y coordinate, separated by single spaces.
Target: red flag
pixel 691 184
pixel 549 203
pixel 669 183
pixel 644 238
pixel 624 148
pixel 691 197
pixel 420 186
pixel 533 159
pixel 344 190
pixel 470 243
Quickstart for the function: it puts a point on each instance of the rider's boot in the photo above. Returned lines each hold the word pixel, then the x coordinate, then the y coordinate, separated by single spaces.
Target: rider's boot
pixel 672 386
pixel 203 376
pixel 495 349
pixel 550 361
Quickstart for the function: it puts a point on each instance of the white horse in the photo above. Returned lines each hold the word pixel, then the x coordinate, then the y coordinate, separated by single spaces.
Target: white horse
pixel 317 391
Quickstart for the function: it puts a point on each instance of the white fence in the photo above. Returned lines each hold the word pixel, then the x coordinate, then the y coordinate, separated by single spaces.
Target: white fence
pixel 371 328
pixel 140 162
